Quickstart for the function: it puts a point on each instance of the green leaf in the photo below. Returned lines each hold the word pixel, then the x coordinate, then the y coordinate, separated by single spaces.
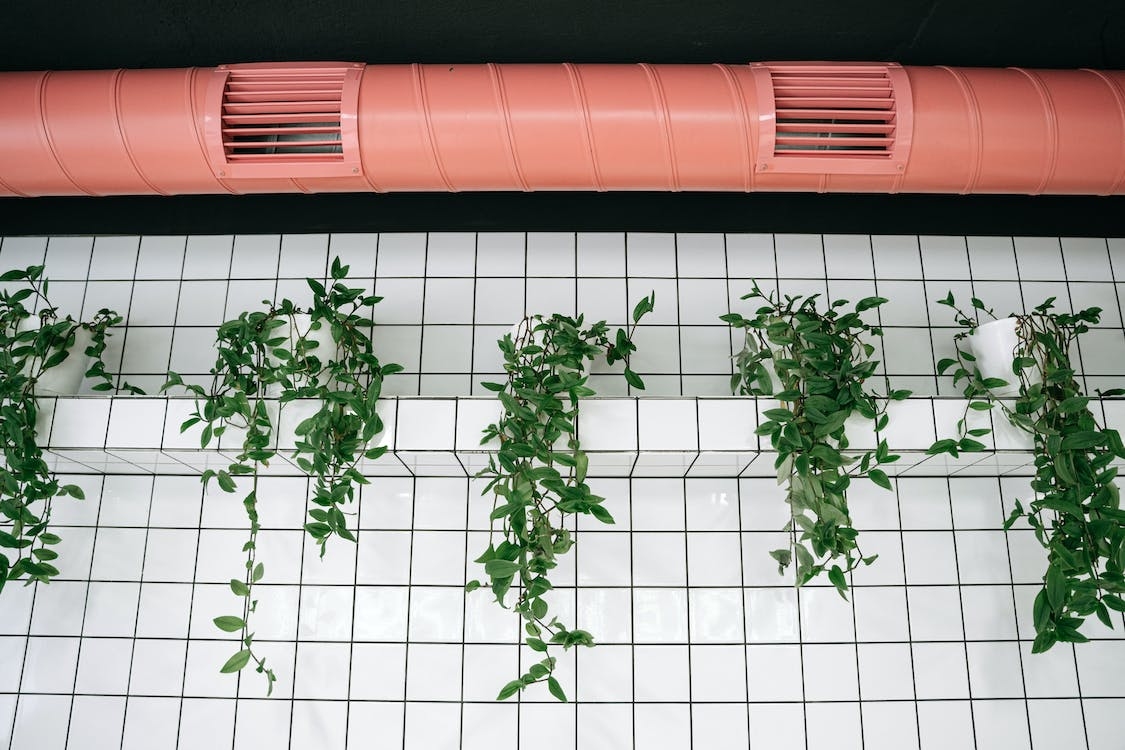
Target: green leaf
pixel 229 624
pixel 226 483
pixel 599 512
pixel 1082 440
pixel 1056 586
pixel 239 588
pixel 836 576
pixel 1073 404
pixel 509 690
pixel 634 380
pixel 501 568
pixel 879 477
pixel 556 689
pixel 867 303
pixel 236 662
pixel 536 644
pixel 1113 601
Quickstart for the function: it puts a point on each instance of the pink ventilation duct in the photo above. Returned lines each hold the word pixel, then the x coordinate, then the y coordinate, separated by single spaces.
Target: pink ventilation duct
pixel 344 127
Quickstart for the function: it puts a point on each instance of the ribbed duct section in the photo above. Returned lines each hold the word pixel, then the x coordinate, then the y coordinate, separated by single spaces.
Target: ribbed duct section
pixel 349 127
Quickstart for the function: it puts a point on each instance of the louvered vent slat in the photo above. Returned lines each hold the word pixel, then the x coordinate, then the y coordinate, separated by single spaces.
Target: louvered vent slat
pixel 278 116
pixel 836 113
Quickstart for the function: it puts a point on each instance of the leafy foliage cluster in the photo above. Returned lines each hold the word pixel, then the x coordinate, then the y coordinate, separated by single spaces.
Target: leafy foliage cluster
pixel 264 357
pixel 821 361
pixel 32 343
pixel 538 473
pixel 1076 513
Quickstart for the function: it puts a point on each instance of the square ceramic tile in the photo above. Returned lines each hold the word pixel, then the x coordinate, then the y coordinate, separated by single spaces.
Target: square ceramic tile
pixel 777 725
pixel 659 559
pixel 114 258
pixel 550 254
pixel 836 724
pixel 880 614
pixel 940 670
pixel 601 254
pixel 547 296
pixel 848 256
pixel 498 301
pixel 935 613
pixel 607 612
pixel 714 559
pixel 943 724
pixel 989 612
pixel 1001 722
pixel 605 299
pixel 650 254
pixel 660 673
pixel 605 674
pixel 896 256
pixel 930 557
pixel 886 671
pixel 426 670
pixel 1086 258
pixel 889 726
pixel 99 719
pixel 799 256
pixel 701 255
pixel 830 672
pixel 716 615
pixel 992 258
pixel 501 254
pixel 668 425
pixel 401 255
pixel 605 727
pixel 944 257
pixel 255 256
pixel 451 254
pixel 150 722
pixel 660 615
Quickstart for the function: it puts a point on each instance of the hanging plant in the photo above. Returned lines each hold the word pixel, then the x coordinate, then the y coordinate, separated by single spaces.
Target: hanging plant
pixel 538 474
pixel 37 356
pixel 266 360
pixel 1076 513
pixel 821 361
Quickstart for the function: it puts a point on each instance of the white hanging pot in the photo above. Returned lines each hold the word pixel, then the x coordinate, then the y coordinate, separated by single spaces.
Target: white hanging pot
pixel 65 378
pixel 994 345
pixel 285 424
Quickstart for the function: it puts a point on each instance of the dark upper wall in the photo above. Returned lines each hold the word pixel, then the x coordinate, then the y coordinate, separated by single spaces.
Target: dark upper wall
pixel 78 34
pixel 173 33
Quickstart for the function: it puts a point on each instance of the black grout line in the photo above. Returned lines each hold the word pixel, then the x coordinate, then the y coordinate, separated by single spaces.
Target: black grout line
pixel 964 632
pixel 406 650
pixel 81 627
pixel 137 617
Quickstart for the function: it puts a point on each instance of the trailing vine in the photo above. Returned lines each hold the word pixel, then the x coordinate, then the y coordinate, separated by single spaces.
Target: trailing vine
pixel 31 344
pixel 821 361
pixel 1076 511
pixel 538 474
pixel 265 357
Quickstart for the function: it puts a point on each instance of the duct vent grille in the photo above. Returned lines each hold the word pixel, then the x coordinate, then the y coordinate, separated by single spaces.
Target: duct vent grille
pixel 287 120
pixel 835 118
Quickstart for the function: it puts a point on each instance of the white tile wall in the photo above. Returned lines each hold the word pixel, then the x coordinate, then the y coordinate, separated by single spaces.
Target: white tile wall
pixel 703 645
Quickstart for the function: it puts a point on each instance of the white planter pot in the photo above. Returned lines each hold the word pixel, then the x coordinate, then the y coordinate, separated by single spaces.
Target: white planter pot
pixel 326 348
pixel 994 346
pixel 65 379
pixel 284 425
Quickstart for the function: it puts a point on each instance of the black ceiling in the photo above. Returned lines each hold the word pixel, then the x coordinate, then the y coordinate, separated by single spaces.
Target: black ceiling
pixel 175 33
